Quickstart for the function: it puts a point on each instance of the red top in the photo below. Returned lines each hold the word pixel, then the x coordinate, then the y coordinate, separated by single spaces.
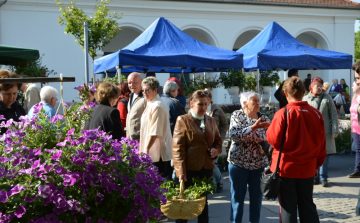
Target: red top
pixel 123 113
pixel 304 149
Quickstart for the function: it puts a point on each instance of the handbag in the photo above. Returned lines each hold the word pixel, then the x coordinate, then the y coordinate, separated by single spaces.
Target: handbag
pixel 270 182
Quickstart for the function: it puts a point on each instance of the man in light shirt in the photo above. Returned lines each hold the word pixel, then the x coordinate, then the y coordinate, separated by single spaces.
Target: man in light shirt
pixel 136 107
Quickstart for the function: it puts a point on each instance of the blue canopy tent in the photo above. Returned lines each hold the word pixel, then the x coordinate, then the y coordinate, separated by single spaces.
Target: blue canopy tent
pixel 275 48
pixel 163 48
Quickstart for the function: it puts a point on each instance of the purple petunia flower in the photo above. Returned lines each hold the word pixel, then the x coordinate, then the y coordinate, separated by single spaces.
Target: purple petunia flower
pixel 56 118
pixel 60 201
pixel 140 178
pixel 125 193
pixel 155 213
pixel 56 156
pixel 20 211
pixel 139 200
pixel 3 159
pixel 91 168
pixel 99 198
pixel 11 174
pixel 16 162
pixel 70 132
pixel 79 87
pixel 88 220
pixel 15 190
pixel 101 221
pixel 92 104
pixel 44 191
pixel 84 209
pixel 3 172
pixel 66 104
pixel 30 199
pixel 60 170
pixel 51 218
pixel 69 180
pixel 36 164
pixel 2 117
pixel 3 196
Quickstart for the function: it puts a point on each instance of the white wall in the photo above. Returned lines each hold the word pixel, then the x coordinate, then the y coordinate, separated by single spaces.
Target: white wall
pixel 34 24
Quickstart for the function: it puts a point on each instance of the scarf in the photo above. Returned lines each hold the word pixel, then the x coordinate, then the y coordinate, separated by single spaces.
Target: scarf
pixel 202 123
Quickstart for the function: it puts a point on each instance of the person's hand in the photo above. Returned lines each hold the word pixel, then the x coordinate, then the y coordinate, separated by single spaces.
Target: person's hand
pixel 182 177
pixel 214 153
pixel 335 135
pixel 260 125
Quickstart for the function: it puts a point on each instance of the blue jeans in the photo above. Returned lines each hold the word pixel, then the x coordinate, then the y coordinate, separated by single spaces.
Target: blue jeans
pixel 216 172
pixel 356 138
pixel 240 178
pixel 323 170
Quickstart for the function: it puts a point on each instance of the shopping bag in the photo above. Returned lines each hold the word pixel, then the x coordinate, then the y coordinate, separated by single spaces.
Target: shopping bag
pixel 338 100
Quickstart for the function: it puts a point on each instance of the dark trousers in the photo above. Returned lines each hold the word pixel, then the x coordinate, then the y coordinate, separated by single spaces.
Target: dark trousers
pixel 297 195
pixel 162 167
pixel 356 138
pixel 204 216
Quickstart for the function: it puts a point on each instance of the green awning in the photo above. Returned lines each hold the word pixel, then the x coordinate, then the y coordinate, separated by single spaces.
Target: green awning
pixel 13 55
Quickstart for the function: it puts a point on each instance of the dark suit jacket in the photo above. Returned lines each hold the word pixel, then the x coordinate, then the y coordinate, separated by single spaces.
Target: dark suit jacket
pixel 174 110
pixel 280 96
pixel 108 118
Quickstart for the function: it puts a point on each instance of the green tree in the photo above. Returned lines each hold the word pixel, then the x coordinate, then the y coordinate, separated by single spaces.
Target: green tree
pixel 357 45
pixel 103 26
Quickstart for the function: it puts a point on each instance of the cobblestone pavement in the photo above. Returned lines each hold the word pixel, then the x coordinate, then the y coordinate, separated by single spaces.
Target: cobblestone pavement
pixel 335 203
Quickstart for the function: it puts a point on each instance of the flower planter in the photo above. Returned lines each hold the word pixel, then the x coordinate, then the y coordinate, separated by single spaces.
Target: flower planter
pixel 233 90
pixel 266 89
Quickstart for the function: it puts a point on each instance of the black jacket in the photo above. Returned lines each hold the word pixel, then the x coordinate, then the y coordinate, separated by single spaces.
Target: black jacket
pixel 108 118
pixel 175 109
pixel 280 96
pixel 14 113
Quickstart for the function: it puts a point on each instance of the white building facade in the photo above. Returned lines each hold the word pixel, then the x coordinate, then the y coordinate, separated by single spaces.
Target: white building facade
pixel 225 24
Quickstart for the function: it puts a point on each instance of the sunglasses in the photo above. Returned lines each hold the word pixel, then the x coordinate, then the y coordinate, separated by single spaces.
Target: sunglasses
pixel 145 90
pixel 202 93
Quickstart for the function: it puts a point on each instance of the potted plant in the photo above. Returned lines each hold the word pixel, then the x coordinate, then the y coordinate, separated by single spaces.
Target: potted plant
pixel 233 81
pixel 206 83
pixel 250 82
pixel 268 79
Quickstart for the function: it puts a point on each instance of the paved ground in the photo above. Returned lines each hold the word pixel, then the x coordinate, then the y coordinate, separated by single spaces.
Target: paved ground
pixel 335 203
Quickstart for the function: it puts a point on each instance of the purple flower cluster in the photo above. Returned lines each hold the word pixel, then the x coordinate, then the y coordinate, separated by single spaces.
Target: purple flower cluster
pixel 82 174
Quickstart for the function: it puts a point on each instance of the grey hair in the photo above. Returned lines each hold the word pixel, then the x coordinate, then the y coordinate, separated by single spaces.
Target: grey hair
pixel 246 96
pixel 336 80
pixel 152 82
pixel 47 93
pixel 170 86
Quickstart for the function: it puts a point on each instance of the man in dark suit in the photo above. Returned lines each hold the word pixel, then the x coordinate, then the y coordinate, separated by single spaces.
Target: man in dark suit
pixel 279 94
pixel 105 115
pixel 307 82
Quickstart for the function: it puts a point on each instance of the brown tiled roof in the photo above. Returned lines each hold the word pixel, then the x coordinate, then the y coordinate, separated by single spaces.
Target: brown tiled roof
pixel 346 3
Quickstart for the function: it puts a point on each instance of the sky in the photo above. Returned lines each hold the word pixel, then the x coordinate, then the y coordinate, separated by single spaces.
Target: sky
pixel 357 23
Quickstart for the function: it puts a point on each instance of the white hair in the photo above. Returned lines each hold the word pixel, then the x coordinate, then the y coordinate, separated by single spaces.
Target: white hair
pixel 170 86
pixel 246 96
pixel 47 93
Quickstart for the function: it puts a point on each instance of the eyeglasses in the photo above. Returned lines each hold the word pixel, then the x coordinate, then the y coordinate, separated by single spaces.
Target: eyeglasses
pixel 145 90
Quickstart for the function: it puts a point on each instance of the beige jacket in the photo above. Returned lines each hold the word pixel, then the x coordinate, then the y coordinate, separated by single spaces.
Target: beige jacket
pixel 31 96
pixel 133 119
pixel 155 121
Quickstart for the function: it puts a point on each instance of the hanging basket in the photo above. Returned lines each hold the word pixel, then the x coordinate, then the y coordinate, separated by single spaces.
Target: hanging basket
pixel 233 90
pixel 180 207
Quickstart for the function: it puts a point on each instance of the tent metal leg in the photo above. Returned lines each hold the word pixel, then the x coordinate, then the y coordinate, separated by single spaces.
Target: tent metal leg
pixel 258 80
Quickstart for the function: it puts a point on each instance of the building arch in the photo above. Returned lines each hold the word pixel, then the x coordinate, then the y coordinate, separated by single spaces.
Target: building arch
pixel 201 33
pixel 244 36
pixel 130 32
pixel 314 38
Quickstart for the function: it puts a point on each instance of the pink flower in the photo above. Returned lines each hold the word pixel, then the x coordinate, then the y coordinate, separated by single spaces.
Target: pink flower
pixel 56 156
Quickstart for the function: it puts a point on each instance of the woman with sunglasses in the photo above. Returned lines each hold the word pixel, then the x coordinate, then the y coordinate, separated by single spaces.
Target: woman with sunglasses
pixel 196 143
pixel 155 134
pixel 324 103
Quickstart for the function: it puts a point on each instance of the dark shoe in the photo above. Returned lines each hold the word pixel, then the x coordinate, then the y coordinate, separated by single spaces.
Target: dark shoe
pixel 316 181
pixel 219 188
pixel 325 183
pixel 354 175
pixel 163 219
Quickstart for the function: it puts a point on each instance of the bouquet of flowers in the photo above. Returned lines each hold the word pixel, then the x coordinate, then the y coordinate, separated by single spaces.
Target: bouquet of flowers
pixel 51 171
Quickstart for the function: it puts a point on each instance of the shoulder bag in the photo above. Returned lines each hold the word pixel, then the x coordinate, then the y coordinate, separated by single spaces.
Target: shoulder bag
pixel 270 182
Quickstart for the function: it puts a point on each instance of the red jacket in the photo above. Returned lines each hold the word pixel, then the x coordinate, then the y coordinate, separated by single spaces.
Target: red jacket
pixel 123 113
pixel 304 149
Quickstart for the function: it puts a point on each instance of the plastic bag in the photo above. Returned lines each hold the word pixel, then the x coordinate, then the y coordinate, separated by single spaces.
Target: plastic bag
pixel 338 100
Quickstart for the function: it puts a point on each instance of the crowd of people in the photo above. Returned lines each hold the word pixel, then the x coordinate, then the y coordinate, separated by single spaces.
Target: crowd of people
pixel 186 144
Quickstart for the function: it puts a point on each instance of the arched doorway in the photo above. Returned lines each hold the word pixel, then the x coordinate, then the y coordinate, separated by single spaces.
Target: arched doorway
pixel 124 38
pixel 201 35
pixel 245 37
pixel 316 40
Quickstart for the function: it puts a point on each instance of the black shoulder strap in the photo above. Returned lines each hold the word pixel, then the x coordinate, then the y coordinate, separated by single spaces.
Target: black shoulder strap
pixel 320 101
pixel 282 141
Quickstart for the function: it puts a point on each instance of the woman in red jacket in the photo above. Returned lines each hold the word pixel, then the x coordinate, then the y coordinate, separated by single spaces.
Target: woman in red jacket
pixel 304 151
pixel 123 100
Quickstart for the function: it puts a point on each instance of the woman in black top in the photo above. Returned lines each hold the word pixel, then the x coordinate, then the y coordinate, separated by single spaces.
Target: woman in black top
pixel 105 115
pixel 9 107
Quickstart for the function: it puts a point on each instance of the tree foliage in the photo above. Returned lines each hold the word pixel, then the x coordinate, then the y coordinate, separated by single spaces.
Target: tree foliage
pixel 103 26
pixel 357 45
